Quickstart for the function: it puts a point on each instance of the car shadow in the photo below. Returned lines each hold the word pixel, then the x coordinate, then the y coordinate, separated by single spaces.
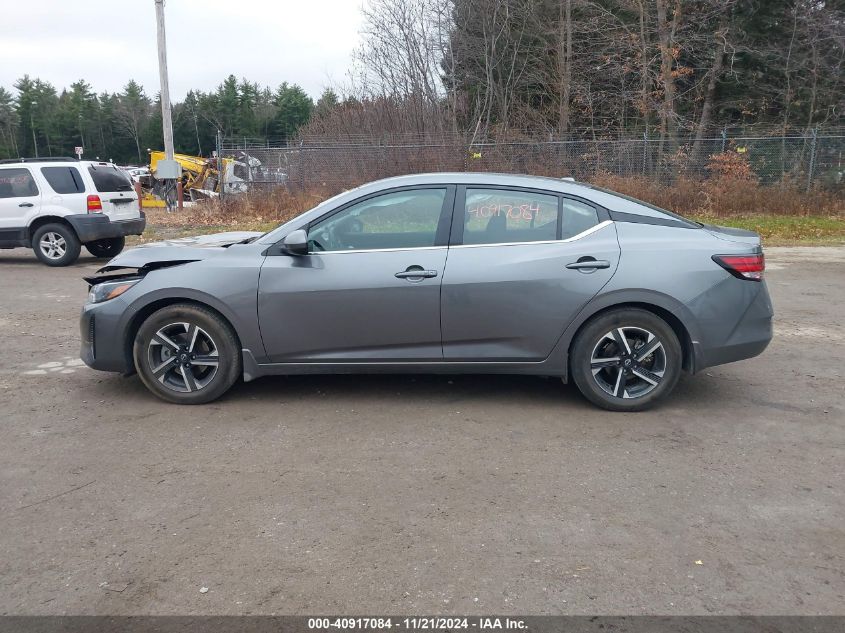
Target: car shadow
pixel 423 388
pixel 28 259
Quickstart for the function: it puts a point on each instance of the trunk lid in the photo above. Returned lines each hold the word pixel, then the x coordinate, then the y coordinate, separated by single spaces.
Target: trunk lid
pixel 117 194
pixel 730 234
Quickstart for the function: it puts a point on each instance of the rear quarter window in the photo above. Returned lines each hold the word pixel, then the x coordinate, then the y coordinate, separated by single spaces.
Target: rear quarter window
pixel 577 218
pixel 108 178
pixel 63 179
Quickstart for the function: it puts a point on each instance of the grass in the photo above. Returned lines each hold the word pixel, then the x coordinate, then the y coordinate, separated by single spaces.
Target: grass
pixel 786 230
pixel 158 232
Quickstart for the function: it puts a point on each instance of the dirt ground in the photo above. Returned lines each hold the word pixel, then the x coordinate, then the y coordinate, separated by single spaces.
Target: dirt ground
pixel 419 494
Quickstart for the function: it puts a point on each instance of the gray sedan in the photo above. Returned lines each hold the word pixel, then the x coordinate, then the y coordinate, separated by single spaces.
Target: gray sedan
pixel 445 273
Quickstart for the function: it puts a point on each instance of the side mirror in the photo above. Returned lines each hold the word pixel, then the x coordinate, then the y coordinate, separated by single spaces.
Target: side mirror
pixel 296 243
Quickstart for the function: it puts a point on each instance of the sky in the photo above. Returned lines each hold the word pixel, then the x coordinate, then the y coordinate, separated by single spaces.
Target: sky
pixel 107 42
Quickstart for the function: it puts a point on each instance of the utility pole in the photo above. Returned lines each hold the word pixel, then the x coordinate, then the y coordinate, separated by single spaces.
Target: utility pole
pixel 166 120
pixel 32 125
pixel 81 132
pixel 167 169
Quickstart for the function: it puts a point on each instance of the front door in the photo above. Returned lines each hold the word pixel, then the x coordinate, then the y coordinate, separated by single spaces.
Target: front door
pixel 20 201
pixel 522 265
pixel 369 289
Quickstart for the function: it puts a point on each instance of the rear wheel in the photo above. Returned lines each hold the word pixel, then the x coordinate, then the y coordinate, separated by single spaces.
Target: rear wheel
pixel 109 247
pixel 55 244
pixel 187 354
pixel 626 360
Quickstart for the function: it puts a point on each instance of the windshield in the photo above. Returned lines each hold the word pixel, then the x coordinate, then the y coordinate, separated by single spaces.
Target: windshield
pixel 324 203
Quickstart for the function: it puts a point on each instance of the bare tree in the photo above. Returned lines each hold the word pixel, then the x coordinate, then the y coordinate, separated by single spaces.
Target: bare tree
pixel 132 113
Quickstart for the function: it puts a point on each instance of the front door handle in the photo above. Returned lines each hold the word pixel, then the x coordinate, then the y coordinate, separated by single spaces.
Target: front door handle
pixel 588 263
pixel 416 273
pixel 26 204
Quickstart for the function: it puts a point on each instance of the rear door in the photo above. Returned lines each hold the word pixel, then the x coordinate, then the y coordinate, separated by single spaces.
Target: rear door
pixel 522 263
pixel 369 289
pixel 115 190
pixel 20 201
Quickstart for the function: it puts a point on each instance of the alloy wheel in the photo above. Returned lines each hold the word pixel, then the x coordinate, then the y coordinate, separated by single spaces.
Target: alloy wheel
pixel 628 362
pixel 183 357
pixel 53 245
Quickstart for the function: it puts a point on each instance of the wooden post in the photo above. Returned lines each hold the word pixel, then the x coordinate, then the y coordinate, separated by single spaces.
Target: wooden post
pixel 137 186
pixel 179 190
pixel 166 122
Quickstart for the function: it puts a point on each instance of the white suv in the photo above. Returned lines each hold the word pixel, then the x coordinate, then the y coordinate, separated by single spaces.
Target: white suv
pixel 55 205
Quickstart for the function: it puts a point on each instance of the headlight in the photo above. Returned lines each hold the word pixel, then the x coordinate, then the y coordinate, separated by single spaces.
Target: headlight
pixel 110 289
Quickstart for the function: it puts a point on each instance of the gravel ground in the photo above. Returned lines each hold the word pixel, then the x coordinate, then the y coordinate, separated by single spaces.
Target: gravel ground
pixel 420 494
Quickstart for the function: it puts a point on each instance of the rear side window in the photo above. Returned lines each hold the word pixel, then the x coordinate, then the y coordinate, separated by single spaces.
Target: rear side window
pixel 17 183
pixel 63 179
pixel 494 216
pixel 109 178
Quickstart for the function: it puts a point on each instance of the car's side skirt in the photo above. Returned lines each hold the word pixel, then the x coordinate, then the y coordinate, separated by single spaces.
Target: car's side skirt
pixel 548 367
pixel 12 237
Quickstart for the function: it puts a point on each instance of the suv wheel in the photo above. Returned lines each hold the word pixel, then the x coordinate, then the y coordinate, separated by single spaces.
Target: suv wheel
pixel 187 354
pixel 109 247
pixel 626 360
pixel 56 244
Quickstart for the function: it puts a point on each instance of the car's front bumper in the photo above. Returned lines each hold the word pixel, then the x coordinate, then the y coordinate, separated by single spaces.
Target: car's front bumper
pixel 102 345
pixel 90 227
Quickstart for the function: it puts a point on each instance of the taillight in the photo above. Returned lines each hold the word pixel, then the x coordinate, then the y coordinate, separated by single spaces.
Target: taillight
pixel 94 204
pixel 743 266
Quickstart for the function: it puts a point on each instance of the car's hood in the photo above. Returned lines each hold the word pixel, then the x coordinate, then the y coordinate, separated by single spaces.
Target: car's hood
pixel 183 249
pixel 205 241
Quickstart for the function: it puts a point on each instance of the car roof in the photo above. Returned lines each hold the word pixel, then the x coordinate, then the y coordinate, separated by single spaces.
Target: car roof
pixel 564 185
pixel 611 200
pixel 608 199
pixel 47 162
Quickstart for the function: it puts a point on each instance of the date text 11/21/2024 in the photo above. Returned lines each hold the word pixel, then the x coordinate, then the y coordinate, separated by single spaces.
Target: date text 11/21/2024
pixel 419 623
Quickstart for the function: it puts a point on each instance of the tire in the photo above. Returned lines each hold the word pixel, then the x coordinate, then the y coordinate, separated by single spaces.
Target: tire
pixel 109 247
pixel 56 244
pixel 614 378
pixel 164 340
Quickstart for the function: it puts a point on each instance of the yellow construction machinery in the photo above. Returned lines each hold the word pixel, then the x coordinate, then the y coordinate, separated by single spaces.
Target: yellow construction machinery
pixel 200 179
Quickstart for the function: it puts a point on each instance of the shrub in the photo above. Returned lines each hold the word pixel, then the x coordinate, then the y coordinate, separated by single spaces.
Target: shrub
pixel 727 195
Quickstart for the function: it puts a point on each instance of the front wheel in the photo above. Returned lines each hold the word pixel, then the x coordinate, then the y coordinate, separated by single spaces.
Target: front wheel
pixel 109 247
pixel 187 354
pixel 626 360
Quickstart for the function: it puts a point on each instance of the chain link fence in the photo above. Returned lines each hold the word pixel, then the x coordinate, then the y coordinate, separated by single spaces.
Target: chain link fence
pixel 807 160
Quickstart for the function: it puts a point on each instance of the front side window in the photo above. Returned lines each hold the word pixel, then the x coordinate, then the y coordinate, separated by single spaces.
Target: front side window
pixel 17 183
pixel 402 219
pixel 495 216
pixel 108 178
pixel 63 179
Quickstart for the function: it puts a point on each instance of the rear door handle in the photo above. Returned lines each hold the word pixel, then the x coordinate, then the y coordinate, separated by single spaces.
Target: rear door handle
pixel 588 264
pixel 416 273
pixel 26 204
